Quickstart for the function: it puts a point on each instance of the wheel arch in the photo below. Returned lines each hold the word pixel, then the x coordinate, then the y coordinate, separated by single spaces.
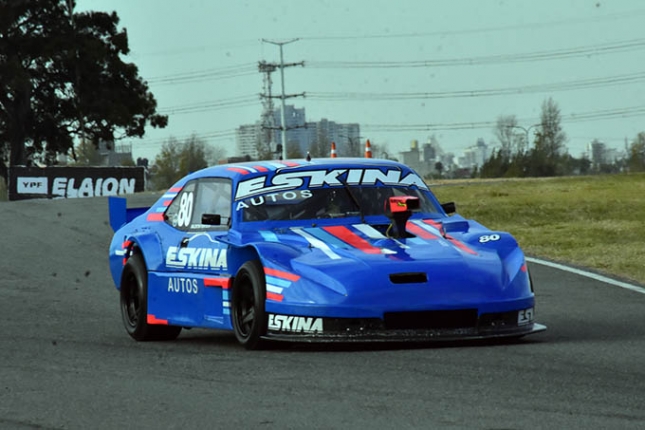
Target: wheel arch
pixel 268 254
pixel 146 245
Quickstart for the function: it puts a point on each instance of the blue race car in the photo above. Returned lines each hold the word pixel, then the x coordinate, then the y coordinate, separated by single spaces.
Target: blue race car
pixel 325 250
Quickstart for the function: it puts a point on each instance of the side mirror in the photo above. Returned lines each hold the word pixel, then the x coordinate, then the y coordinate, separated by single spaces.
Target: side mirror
pixel 211 219
pixel 449 208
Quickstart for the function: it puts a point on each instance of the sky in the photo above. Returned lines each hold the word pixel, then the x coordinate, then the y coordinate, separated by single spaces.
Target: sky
pixel 404 70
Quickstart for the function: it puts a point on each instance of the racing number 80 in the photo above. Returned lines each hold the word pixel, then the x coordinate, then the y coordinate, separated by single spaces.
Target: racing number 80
pixel 489 238
pixel 185 210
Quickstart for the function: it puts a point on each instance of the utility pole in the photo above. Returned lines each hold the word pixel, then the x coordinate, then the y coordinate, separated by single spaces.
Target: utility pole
pixel 77 89
pixel 283 96
pixel 265 143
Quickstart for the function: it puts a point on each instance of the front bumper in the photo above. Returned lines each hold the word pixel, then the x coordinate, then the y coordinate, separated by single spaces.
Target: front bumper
pixel 421 326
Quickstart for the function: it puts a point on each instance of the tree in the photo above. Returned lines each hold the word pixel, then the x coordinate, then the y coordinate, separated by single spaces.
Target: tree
pixel 379 150
pixel 636 161
pixel 263 146
pixel 61 77
pixel 87 154
pixel 438 167
pixel 496 165
pixel 353 148
pixel 293 150
pixel 547 157
pixel 321 147
pixel 166 170
pixel 506 132
pixel 177 159
pixel 551 137
pixel 194 155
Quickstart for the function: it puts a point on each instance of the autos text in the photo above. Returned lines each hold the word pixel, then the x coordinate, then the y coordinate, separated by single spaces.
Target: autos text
pixel 182 285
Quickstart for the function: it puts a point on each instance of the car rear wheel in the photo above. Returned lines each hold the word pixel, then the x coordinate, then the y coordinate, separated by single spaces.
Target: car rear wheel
pixel 248 298
pixel 134 304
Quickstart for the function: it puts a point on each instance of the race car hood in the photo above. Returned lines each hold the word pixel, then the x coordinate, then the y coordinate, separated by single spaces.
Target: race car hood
pixel 356 264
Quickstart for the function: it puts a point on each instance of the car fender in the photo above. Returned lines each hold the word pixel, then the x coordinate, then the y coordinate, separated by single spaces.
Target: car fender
pixel 147 243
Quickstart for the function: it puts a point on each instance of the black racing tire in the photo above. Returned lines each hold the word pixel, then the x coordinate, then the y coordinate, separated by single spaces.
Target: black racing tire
pixel 134 304
pixel 247 302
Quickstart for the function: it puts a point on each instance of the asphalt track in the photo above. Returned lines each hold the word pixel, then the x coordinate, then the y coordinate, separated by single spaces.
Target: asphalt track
pixel 67 363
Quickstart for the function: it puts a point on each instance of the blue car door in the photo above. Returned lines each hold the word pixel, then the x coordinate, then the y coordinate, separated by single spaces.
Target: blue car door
pixel 192 287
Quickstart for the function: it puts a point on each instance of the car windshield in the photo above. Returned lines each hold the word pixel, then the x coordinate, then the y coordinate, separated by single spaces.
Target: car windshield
pixel 328 203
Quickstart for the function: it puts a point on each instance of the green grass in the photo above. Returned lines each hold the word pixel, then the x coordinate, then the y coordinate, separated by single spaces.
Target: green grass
pixel 592 221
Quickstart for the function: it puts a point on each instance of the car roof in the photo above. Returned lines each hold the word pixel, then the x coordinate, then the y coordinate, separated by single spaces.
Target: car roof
pixel 249 169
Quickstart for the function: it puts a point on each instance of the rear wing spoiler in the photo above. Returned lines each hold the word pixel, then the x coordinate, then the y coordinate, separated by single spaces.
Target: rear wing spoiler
pixel 120 214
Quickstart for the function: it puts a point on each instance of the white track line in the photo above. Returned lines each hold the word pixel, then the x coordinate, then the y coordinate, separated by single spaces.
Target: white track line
pixel 600 278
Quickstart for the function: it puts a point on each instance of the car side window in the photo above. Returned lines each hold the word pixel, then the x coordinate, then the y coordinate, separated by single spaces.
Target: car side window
pixel 203 196
pixel 180 212
pixel 213 197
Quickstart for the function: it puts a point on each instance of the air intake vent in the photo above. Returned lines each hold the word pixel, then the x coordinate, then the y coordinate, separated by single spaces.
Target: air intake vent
pixel 462 318
pixel 409 278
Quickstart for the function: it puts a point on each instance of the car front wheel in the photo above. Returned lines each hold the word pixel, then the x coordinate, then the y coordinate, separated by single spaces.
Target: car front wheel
pixel 248 298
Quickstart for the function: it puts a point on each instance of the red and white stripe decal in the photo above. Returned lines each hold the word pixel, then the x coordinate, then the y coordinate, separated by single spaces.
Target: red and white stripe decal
pixel 440 230
pixel 224 283
pixel 460 245
pixel 316 243
pixel 280 274
pixel 436 225
pixel 275 297
pixel 273 292
pixel 346 235
pixel 238 170
pixel 420 231
pixel 155 216
pixel 289 163
pixel 125 248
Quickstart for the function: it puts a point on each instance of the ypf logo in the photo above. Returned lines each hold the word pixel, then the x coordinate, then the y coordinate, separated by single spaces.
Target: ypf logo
pixel 31 185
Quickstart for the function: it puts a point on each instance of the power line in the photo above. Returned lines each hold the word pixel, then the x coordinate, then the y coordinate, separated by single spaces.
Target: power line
pixel 196 49
pixel 606 114
pixel 625 112
pixel 212 135
pixel 207 106
pixel 250 100
pixel 551 87
pixel 474 31
pixel 581 51
pixel 515 27
pixel 205 75
pixel 251 69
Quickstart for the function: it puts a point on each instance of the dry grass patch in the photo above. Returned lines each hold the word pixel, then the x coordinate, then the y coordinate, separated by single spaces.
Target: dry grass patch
pixel 592 221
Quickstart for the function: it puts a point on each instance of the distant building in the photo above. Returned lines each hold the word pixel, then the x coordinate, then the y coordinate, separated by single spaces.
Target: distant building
pixel 474 156
pixel 299 132
pixel 246 140
pixel 115 155
pixel 346 136
pixel 422 161
pixel 600 155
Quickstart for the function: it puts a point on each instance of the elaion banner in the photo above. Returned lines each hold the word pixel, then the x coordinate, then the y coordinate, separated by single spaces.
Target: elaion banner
pixel 73 182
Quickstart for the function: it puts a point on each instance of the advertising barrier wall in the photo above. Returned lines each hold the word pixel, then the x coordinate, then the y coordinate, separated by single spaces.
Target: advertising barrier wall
pixel 74 182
